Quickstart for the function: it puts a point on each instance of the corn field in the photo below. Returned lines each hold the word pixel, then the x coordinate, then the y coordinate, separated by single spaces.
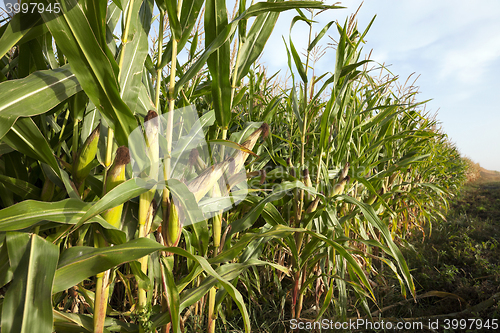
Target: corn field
pixel 140 193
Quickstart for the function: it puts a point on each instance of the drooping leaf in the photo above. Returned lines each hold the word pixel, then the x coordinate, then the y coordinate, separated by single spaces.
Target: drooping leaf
pixel 35 94
pixel 26 138
pixel 80 262
pixel 28 213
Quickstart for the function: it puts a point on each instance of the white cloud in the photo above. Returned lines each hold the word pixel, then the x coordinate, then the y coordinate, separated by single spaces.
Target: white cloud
pixel 469 61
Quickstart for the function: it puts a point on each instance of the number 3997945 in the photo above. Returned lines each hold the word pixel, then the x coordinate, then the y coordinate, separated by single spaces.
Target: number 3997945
pixel 32 7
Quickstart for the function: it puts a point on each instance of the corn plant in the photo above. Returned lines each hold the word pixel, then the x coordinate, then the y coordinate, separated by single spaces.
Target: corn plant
pixel 139 193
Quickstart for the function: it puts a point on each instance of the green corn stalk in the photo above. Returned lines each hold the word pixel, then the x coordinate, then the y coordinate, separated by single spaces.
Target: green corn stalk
pixel 307 182
pixel 102 291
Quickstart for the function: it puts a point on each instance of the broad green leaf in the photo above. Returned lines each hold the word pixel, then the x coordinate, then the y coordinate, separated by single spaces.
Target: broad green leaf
pixel 372 217
pixel 35 94
pixel 134 54
pixel 26 138
pixel 93 66
pixel 27 306
pixel 6 272
pixel 74 322
pixel 235 294
pixel 186 201
pixel 24 189
pixel 80 262
pixel 279 192
pixel 173 298
pixel 187 142
pixel 229 272
pixel 19 26
pixel 117 196
pixel 254 10
pixel 28 213
pixel 277 231
pixel 189 15
pixel 241 136
pixel 232 144
pixel 264 7
pixel 255 41
pixel 173 20
pixel 319 36
pixel 298 62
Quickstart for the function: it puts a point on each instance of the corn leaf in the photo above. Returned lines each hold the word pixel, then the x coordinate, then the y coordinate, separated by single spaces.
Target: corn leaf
pixel 80 262
pixel 27 306
pixel 26 138
pixel 35 94
pixel 92 63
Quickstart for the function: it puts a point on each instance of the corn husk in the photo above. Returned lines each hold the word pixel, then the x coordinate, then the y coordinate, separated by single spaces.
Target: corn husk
pixel 339 187
pixel 173 228
pixel 217 227
pixel 202 184
pixel 116 176
pixel 82 165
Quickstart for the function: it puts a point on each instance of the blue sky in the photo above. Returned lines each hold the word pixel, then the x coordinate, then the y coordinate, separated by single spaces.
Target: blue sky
pixel 453 45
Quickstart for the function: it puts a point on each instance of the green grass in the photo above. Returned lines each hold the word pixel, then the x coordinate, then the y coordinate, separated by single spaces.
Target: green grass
pixel 461 256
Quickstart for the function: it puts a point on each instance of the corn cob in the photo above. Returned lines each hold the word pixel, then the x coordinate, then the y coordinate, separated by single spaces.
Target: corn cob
pixel 116 176
pixel 172 231
pixel 339 187
pixel 82 166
